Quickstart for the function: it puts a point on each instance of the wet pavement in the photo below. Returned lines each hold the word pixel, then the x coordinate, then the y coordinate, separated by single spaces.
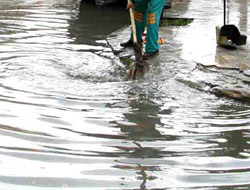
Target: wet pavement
pixel 191 52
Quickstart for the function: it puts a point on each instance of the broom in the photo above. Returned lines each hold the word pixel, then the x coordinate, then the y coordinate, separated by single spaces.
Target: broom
pixel 138 68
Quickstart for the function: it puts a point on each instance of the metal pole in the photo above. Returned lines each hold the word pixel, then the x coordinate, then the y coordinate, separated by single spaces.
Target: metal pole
pixel 224 12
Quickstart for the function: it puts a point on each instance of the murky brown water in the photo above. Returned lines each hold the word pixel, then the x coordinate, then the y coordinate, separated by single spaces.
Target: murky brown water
pixel 69 120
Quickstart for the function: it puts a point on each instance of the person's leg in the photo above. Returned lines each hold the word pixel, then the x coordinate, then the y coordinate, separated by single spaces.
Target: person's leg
pixel 155 8
pixel 140 15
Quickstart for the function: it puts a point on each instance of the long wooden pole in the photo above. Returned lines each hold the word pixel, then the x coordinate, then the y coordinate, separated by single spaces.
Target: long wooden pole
pixel 132 18
pixel 139 67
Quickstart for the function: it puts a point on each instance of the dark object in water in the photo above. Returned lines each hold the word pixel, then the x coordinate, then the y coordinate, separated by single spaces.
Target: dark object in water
pixel 229 35
pixel 140 66
pixel 232 33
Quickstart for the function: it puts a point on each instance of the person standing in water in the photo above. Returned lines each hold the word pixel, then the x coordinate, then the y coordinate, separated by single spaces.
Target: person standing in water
pixel 147 13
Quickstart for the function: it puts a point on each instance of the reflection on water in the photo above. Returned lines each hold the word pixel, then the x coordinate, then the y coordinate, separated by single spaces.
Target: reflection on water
pixel 94 23
pixel 68 120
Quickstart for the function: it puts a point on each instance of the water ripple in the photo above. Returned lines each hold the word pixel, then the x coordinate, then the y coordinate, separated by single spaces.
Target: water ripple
pixel 69 120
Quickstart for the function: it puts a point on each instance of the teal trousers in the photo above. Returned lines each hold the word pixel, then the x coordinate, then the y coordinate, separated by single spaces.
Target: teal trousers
pixel 147 14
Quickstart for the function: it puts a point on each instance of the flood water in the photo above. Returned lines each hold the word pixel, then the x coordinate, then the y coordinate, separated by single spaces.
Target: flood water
pixel 69 120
